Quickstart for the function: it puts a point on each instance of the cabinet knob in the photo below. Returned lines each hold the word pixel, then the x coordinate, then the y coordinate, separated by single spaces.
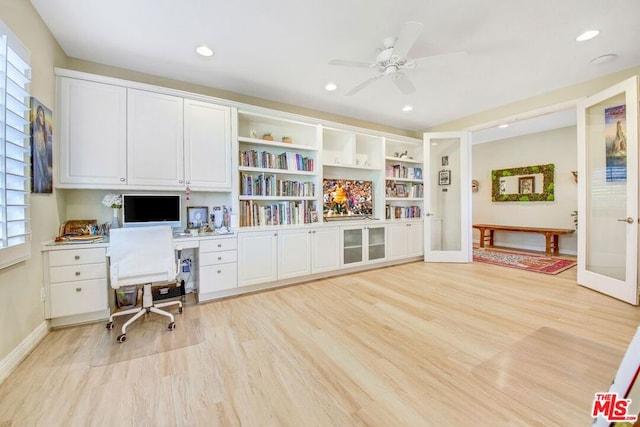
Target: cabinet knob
pixel 219 258
pixel 78 289
pixel 77 273
pixel 122 179
pixel 219 271
pixel 314 231
pixel 180 181
pixel 77 257
pixel 219 245
pixel 188 182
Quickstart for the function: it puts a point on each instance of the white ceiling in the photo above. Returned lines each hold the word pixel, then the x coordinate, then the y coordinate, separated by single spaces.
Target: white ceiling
pixel 279 49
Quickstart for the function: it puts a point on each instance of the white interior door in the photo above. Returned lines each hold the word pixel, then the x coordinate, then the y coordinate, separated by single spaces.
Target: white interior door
pixel 608 191
pixel 447 201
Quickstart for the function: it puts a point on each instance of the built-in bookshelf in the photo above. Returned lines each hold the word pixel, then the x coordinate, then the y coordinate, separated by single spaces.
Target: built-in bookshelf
pixel 278 171
pixel 403 175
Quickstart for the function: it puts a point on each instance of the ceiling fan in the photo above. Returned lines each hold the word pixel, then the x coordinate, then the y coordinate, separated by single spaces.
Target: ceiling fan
pixel 391 61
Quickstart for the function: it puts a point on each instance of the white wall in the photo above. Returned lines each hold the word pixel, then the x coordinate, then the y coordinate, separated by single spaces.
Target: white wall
pixel 558 147
pixel 21 310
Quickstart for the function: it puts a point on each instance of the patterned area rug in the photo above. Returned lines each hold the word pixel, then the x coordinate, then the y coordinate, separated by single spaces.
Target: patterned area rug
pixel 523 261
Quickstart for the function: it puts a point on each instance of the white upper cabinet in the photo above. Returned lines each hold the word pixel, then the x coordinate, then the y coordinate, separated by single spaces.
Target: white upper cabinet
pixel 155 140
pixel 117 136
pixel 92 123
pixel 207 145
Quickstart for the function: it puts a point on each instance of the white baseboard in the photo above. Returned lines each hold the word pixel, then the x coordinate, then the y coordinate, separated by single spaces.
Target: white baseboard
pixel 18 354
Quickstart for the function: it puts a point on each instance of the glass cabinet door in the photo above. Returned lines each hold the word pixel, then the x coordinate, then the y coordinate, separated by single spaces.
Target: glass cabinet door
pixel 376 243
pixel 353 248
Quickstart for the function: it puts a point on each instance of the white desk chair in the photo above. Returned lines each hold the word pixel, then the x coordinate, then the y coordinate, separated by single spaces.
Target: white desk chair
pixel 142 255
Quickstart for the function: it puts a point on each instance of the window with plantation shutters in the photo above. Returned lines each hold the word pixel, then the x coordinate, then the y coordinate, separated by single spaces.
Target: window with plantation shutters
pixel 15 76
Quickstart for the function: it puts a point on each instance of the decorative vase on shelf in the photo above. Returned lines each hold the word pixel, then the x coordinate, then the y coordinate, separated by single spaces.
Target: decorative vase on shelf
pixel 115 222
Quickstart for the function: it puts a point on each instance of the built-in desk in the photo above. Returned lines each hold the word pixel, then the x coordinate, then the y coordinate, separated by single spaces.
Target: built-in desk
pixel 76 284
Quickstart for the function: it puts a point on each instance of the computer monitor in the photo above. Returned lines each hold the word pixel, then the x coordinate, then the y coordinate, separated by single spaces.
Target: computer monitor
pixel 139 210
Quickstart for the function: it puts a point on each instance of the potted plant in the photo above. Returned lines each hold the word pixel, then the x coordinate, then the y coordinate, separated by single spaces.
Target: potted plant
pixel 287 139
pixel 267 136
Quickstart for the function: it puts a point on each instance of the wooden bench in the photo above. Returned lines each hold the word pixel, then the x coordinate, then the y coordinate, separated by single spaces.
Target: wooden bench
pixel 551 235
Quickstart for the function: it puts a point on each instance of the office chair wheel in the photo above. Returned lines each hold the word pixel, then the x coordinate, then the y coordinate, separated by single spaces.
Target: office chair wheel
pixel 122 338
pixel 180 310
pixel 172 326
pixel 109 325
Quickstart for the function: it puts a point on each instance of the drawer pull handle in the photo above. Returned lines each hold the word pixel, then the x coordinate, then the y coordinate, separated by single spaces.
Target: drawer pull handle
pixel 219 245
pixel 77 257
pixel 219 271
pixel 78 289
pixel 219 258
pixel 77 273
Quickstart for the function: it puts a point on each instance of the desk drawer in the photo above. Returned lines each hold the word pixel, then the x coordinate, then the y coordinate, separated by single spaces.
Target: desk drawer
pixel 85 296
pixel 218 277
pixel 73 273
pixel 77 256
pixel 216 245
pixel 212 258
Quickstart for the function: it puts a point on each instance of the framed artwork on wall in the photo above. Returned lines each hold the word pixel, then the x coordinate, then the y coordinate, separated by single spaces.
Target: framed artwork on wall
pixel 526 184
pixel 444 177
pixel 41 148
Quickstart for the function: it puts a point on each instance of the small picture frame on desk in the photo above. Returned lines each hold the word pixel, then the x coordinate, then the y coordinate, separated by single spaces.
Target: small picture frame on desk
pixel 197 216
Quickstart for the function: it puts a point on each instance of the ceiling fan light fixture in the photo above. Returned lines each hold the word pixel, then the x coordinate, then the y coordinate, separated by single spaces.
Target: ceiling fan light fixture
pixel 204 50
pixel 587 35
pixel 330 87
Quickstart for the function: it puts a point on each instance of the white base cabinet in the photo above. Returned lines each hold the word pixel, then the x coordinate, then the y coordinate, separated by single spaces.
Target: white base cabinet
pixel 218 266
pixel 405 239
pixel 76 286
pixel 362 244
pixel 308 251
pixel 257 257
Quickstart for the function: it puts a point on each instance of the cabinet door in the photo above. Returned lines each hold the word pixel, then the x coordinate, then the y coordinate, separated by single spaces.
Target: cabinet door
pixel 398 236
pixel 294 253
pixel 352 243
pixel 218 277
pixel 92 123
pixel 207 146
pixel 257 262
pixel 325 249
pixel 376 243
pixel 154 139
pixel 416 239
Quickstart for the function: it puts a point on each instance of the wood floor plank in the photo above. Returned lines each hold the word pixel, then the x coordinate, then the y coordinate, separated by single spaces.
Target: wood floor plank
pixel 415 344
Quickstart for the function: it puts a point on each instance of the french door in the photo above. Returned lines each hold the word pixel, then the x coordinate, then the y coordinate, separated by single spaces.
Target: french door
pixel 447 201
pixel 608 191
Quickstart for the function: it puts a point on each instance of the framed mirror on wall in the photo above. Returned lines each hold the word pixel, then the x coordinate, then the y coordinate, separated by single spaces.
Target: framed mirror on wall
pixel 523 184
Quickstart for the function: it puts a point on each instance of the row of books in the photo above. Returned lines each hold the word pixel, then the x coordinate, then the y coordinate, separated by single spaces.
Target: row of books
pixel 404 190
pixel 402 171
pixel 268 185
pixel 282 213
pixel 287 160
pixel 398 212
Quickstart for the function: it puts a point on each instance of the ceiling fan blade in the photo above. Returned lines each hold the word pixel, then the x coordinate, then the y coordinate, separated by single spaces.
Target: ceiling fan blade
pixel 407 37
pixel 403 83
pixel 363 85
pixel 438 56
pixel 346 63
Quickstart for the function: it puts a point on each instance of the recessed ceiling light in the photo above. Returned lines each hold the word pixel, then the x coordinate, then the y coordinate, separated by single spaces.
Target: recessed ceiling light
pixel 204 50
pixel 587 35
pixel 504 125
pixel 603 58
pixel 331 86
pixel 407 108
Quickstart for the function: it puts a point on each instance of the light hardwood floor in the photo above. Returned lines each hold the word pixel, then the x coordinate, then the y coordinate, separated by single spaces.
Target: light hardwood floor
pixel 411 345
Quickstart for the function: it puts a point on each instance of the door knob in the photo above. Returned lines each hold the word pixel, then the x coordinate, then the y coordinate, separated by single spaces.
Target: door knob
pixel 628 220
pixel 428 214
